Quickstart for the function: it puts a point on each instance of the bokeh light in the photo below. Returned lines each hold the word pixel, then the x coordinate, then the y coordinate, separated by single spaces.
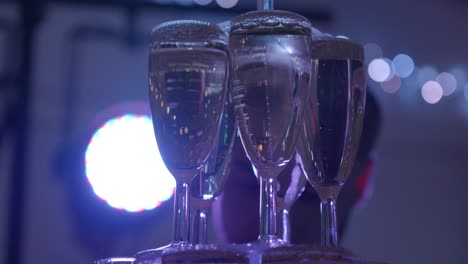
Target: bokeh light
pixel 460 75
pixel 465 91
pixel 409 90
pixel 124 167
pixel 203 2
pixel 425 73
pixel 381 70
pixel 184 2
pixel 404 65
pixel 372 51
pixel 391 86
pixel 448 82
pixel 432 92
pixel 227 3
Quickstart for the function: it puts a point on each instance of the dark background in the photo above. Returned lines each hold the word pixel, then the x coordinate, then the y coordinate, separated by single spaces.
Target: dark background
pixel 418 213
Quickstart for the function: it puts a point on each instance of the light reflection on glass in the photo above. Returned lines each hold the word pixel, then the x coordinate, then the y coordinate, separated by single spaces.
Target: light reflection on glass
pixel 342 37
pixel 192 92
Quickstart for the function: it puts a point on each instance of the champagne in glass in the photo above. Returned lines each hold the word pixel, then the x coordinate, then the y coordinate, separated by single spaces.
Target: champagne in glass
pixel 271 65
pixel 332 123
pixel 188 74
pixel 209 183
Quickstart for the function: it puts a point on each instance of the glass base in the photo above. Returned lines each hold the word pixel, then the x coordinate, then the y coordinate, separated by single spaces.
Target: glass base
pixel 255 250
pixel 155 256
pixel 252 253
pixel 309 254
pixel 268 242
pixel 115 261
pixel 206 253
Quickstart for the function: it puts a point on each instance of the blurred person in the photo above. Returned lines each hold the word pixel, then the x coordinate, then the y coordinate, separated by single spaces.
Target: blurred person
pixel 236 212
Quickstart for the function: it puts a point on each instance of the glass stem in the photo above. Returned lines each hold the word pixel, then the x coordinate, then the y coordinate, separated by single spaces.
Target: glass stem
pixel 200 227
pixel 268 230
pixel 329 227
pixel 286 226
pixel 265 4
pixel 181 220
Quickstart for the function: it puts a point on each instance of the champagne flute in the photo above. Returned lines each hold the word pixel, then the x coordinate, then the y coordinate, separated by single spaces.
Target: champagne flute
pixel 271 61
pixel 332 124
pixel 292 180
pixel 209 183
pixel 188 74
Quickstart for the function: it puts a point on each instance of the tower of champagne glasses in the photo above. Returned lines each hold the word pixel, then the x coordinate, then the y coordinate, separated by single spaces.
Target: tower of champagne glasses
pixel 294 95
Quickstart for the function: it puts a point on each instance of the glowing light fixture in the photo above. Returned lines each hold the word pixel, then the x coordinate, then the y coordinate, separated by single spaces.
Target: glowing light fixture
pixel 124 167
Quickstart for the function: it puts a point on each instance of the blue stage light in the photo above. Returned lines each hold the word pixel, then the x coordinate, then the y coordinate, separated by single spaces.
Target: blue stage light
pixel 124 167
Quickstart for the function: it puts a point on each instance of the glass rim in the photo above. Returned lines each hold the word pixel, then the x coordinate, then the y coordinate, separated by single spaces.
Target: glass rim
pixel 115 260
pixel 220 45
pixel 183 21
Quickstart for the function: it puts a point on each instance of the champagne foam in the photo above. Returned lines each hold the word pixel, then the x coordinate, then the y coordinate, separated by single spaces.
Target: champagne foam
pixel 336 48
pixel 270 21
pixel 180 31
